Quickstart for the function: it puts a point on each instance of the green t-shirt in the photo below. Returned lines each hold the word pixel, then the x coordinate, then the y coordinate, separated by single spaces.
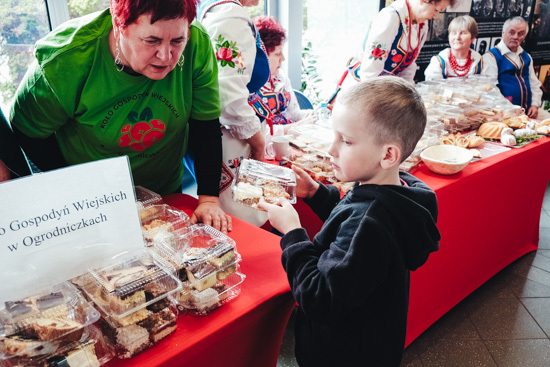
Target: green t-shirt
pixel 75 90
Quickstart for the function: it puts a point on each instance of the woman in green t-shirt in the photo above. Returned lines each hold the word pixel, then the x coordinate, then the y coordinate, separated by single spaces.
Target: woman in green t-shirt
pixel 139 81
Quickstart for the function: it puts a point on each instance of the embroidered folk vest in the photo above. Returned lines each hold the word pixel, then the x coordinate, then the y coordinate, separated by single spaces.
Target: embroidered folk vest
pixel 513 79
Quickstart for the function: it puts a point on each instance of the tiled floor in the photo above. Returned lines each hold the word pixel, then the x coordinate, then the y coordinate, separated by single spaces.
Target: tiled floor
pixel 506 322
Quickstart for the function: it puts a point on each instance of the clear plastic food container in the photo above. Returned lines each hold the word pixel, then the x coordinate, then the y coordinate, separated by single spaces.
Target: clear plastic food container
pixel 39 324
pixel 317 165
pixel 204 258
pixel 258 181
pixel 452 121
pixel 209 299
pixel 310 136
pixel 146 197
pixel 91 350
pixel 122 290
pixel 136 337
pixel 159 220
pixel 200 256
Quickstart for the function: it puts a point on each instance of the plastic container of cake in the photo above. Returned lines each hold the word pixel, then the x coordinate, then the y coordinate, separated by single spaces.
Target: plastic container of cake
pixel 204 258
pixel 310 137
pixel 135 337
pixel 205 301
pixel 130 286
pixel 145 197
pixel 453 121
pixel 160 220
pixel 316 165
pixel 258 181
pixel 39 324
pixel 201 256
pixel 92 350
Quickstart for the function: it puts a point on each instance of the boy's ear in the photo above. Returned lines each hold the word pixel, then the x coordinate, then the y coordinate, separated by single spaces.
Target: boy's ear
pixel 392 156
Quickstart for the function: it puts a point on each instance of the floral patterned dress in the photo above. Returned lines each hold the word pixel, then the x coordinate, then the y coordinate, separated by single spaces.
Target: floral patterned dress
pixel 393 43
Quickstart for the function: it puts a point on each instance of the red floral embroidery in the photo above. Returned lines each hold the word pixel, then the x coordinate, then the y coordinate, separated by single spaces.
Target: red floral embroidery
pixel 397 58
pixel 377 53
pixel 224 53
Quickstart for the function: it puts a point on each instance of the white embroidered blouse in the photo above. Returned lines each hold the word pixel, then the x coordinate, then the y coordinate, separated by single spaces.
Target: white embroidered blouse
pixel 230 29
pixel 382 33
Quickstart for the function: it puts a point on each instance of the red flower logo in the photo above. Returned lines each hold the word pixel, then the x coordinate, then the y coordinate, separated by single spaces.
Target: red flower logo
pixel 141 135
pixel 224 53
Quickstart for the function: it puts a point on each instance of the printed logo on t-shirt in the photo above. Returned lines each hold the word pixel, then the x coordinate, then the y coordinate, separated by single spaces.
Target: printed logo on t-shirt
pixel 142 132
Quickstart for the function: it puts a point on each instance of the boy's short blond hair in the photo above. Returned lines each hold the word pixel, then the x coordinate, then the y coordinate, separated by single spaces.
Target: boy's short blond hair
pixel 464 23
pixel 393 110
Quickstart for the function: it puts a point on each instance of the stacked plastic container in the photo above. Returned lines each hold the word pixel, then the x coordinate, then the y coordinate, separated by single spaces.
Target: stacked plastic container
pixel 463 103
pixel 207 262
pixel 132 295
pixel 51 328
pixel 158 220
pixel 257 182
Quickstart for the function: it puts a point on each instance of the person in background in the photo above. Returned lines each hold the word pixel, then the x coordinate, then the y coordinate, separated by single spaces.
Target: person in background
pixel 396 36
pixel 513 67
pixel 243 69
pixel 459 59
pixel 276 102
pixel 137 80
pixel 351 282
pixel 13 163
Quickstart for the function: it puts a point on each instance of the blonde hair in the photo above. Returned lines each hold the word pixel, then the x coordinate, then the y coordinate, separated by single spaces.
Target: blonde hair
pixel 393 108
pixel 464 22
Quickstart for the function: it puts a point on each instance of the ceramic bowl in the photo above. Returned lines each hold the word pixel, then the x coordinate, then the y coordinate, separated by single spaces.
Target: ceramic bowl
pixel 446 159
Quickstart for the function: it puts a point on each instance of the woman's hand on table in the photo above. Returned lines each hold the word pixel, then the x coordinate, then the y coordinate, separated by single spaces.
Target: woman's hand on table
pixel 209 212
pixel 306 187
pixel 257 146
pixel 533 112
pixel 284 218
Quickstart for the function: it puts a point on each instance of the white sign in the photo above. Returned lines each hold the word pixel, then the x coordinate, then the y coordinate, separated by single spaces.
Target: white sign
pixel 56 224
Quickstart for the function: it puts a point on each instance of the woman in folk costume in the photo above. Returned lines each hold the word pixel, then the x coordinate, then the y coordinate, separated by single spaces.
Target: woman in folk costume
pixel 243 68
pixel 459 59
pixel 396 36
pixel 276 102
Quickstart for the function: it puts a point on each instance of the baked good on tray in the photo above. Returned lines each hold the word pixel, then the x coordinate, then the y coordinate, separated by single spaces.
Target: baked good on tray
pixel 491 130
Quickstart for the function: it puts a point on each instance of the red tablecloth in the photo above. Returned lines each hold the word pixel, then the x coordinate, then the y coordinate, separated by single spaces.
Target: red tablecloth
pixel 488 217
pixel 248 330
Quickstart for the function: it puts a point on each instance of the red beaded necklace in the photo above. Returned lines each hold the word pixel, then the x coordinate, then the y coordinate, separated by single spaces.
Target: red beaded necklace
pixel 460 70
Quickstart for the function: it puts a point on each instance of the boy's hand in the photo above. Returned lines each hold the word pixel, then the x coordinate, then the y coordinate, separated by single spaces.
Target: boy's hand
pixel 284 218
pixel 306 187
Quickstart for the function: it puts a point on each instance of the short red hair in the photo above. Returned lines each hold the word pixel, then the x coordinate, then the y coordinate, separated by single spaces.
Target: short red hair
pixel 271 31
pixel 125 12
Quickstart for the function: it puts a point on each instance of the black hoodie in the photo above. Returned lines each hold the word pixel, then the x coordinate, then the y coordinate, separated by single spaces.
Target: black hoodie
pixel 352 281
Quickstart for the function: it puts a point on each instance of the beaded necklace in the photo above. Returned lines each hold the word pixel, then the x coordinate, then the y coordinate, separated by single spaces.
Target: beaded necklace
pixel 460 70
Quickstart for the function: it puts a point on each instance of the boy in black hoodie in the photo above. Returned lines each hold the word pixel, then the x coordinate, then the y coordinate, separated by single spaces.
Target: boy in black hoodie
pixel 351 282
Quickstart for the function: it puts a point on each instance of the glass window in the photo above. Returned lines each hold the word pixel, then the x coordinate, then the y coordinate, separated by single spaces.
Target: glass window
pixel 259 9
pixel 333 32
pixel 23 22
pixel 78 8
